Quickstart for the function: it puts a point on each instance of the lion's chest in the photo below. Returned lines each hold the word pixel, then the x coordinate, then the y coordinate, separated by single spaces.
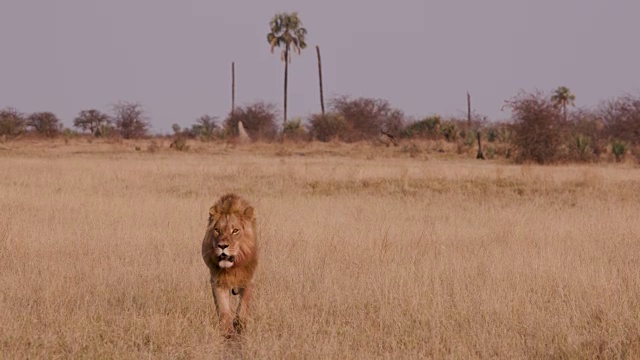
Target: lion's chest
pixel 234 277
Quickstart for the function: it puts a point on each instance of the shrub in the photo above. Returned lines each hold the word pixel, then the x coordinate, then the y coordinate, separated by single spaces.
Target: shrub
pixel 449 130
pixel 582 147
pixel 619 149
pixel 179 144
pixel 537 125
pixel 366 118
pixel 205 127
pixel 621 118
pixel 412 149
pixel 426 128
pixel 328 127
pixel 258 120
pixel 293 129
pixel 12 123
pixel 44 123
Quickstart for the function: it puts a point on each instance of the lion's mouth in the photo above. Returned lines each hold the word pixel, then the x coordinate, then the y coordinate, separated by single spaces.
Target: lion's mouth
pixel 226 261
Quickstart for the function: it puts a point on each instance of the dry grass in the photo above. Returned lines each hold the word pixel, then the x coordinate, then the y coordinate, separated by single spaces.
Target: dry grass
pixel 366 253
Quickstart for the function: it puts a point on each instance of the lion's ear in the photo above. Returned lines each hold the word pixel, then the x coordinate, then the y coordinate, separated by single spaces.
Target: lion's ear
pixel 248 213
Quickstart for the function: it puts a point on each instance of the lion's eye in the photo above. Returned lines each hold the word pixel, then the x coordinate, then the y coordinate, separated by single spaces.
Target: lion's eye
pixel 216 231
pixel 235 231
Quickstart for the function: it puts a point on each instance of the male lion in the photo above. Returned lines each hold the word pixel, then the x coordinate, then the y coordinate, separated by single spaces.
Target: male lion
pixel 229 249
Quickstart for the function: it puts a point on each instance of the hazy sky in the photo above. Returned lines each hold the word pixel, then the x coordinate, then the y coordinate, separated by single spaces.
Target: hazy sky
pixel 175 56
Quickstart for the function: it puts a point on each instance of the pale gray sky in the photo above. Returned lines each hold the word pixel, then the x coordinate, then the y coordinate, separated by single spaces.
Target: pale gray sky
pixel 175 56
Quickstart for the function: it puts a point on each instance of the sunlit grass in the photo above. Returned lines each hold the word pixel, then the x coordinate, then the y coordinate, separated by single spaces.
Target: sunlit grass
pixel 367 252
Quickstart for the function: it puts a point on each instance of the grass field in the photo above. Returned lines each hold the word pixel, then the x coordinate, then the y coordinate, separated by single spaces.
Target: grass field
pixel 367 252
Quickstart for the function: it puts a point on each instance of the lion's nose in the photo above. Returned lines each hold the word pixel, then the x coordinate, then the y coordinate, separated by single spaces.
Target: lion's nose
pixel 223 246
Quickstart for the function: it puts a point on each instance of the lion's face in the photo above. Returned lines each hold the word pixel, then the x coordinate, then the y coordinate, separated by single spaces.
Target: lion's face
pixel 230 234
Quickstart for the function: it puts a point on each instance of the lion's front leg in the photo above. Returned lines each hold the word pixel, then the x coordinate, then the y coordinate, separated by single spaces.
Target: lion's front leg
pixel 223 308
pixel 244 304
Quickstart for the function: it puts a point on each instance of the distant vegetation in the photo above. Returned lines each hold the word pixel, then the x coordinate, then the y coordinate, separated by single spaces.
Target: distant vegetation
pixel 543 127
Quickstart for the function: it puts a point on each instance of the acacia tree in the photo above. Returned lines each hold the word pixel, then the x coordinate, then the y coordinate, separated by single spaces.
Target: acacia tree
pixel 563 97
pixel 91 120
pixel 44 123
pixel 130 120
pixel 286 33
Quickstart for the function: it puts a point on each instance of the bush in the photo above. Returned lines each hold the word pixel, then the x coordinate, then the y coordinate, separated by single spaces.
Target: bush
pixel 619 149
pixel 45 124
pixel 621 118
pixel 12 123
pixel 537 126
pixel 582 149
pixel 293 130
pixel 425 128
pixel 328 127
pixel 179 144
pixel 365 118
pixel 258 120
pixel 587 140
pixel 205 127
pixel 449 130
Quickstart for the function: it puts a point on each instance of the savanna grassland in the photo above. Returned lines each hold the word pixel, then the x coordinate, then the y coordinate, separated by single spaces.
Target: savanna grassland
pixel 366 252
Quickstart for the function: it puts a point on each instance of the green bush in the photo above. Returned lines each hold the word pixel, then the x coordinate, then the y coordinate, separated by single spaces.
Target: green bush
pixel 294 130
pixel 449 131
pixel 619 149
pixel 427 127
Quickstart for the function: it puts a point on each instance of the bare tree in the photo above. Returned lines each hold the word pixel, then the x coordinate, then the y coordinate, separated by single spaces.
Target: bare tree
pixel 44 123
pixel 130 120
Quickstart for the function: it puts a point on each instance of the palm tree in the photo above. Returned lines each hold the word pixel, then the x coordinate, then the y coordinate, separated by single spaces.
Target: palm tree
pixel 286 32
pixel 563 97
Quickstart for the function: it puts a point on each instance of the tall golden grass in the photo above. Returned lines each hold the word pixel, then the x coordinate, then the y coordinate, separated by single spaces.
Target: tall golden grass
pixel 366 253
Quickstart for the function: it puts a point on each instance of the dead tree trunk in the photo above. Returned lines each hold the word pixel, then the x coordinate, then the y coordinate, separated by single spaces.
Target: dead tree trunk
pixel 469 110
pixel 233 88
pixel 320 77
pixel 480 154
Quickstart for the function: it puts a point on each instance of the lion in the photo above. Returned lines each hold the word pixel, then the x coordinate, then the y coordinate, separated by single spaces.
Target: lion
pixel 230 250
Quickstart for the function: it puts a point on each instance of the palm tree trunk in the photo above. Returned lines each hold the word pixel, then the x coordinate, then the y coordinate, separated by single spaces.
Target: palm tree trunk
pixel 286 74
pixel 320 77
pixel 565 111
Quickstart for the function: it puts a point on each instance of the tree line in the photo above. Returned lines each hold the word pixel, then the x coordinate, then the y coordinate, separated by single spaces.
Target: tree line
pixel 544 127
